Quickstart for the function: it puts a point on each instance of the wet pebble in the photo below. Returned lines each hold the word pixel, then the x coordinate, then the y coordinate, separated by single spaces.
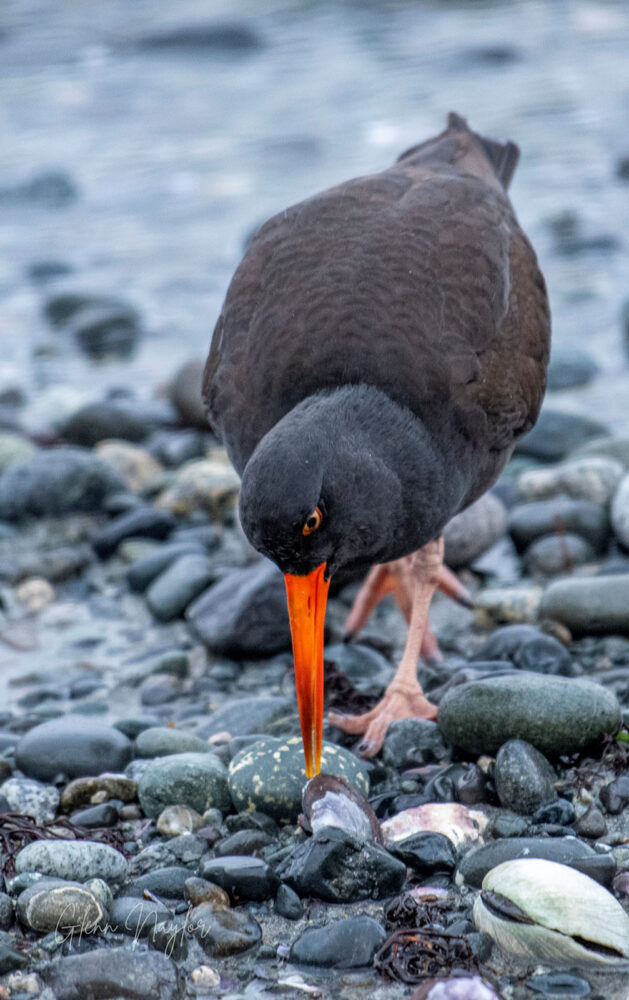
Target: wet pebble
pixel 524 779
pixel 555 714
pixel 96 816
pixel 54 483
pixel 113 972
pixel 426 853
pixel 288 904
pixel 528 648
pixel 222 932
pixel 508 605
pixel 73 746
pixel 591 824
pixel 66 859
pixel 243 842
pixel 367 669
pixel 589 605
pixel 173 821
pixel 147 568
pixel 185 393
pixel 136 917
pixel 244 878
pixel 559 986
pixel 269 776
pixel 31 798
pixel 565 850
pixel 100 421
pixel 56 905
pixel 342 944
pixel 176 587
pixel 412 743
pixel 198 780
pixel 199 890
pixel 167 882
pixel 139 470
pixel 242 716
pixel 160 741
pixel 558 813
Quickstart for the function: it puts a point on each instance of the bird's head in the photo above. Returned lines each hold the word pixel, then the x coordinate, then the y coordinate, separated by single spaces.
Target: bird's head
pixel 316 497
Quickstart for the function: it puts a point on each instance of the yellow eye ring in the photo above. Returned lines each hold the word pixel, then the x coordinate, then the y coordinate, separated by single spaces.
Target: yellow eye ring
pixel 312 522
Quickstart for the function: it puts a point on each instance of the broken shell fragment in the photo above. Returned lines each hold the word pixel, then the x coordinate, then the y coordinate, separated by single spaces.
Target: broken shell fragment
pixel 331 801
pixel 552 913
pixel 463 987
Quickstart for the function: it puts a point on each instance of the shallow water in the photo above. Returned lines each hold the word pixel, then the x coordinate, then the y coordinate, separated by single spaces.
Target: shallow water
pixel 178 153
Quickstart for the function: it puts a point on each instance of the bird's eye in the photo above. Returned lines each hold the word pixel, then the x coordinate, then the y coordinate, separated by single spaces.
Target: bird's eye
pixel 313 522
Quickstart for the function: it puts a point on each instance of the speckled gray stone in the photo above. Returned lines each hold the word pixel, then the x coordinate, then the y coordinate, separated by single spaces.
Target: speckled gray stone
pixel 198 780
pixel 269 775
pixel 31 798
pixel 162 741
pixel 556 714
pixel 113 972
pixel 78 859
pixel 589 605
pixel 54 482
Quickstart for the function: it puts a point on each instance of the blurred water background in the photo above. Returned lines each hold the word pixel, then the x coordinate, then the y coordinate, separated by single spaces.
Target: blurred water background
pixel 142 142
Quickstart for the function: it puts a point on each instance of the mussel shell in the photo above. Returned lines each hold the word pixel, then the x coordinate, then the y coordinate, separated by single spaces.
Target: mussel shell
pixel 331 801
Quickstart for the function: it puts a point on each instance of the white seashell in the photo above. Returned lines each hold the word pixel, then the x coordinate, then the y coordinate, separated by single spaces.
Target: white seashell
pixel 460 824
pixel 552 913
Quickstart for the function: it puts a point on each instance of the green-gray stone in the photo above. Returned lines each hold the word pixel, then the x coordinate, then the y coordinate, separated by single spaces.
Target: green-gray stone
pixel 269 775
pixel 589 605
pixel 163 741
pixel 556 714
pixel 198 780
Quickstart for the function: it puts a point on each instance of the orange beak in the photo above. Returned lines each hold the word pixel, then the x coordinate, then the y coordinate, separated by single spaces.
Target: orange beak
pixel 307 598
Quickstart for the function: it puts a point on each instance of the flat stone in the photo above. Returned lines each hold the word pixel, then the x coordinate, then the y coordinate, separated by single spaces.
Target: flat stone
pixel 136 917
pixel 556 715
pixel 160 741
pixel 198 780
pixel 243 842
pixel 244 878
pixel 559 986
pixel 269 776
pixel 167 882
pixel 31 798
pixel 527 648
pixel 57 905
pixel 244 716
pixel 222 932
pixel 66 859
pixel 144 522
pixel 530 521
pixel 523 777
pixel 144 570
pixel 338 867
pixel 73 746
pixel 96 816
pixel 113 972
pixel 56 482
pixel 245 614
pixel 589 605
pixel 343 944
pixel 565 850
pixel 176 587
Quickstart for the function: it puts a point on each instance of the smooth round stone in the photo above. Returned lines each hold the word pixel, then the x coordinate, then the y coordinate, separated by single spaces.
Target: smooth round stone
pixel 143 522
pixel 174 447
pixel 57 905
pixel 509 825
pixel 147 568
pixel 73 746
pixel 167 882
pixel 56 482
pixel 244 614
pixel 556 434
pixel 204 977
pixel 269 776
pixel 96 790
pixel 177 586
pixel 162 741
pixel 135 916
pixel 620 512
pixel 244 842
pixel 565 850
pixel 80 859
pixel 527 648
pixel 412 743
pixel 113 972
pixel 209 485
pixel 555 554
pixel 590 478
pixel 244 716
pixel 367 669
pixel 559 813
pixel 244 878
pixel 559 986
pixel 426 853
pixel 96 816
pixel 570 368
pixel 472 532
pixel 222 932
pixel 589 605
pixel 198 780
pixel 96 422
pixel 288 904
pixel 555 714
pixel 185 393
pixel 342 944
pixel 199 890
pixel 31 798
pixel 523 777
pixel 615 795
pixel 530 521
pixel 591 824
pixel 176 820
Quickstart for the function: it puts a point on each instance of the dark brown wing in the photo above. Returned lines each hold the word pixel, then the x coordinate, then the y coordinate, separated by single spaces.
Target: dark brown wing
pixel 417 280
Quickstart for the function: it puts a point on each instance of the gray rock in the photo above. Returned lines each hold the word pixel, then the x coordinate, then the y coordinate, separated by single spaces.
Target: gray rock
pixel 104 330
pixel 93 817
pixel 167 883
pixel 244 878
pixel 31 798
pixel 143 571
pixel 140 522
pixel 55 905
pixel 244 716
pixel 343 944
pixel 557 554
pixel 83 791
pixel 527 648
pixel 288 904
pixel 174 589
pixel 113 972
pixel 11 960
pixel 245 614
pixel 565 850
pixel 198 780
pixel 74 746
pixel 224 37
pixel 555 714
pixel 162 741
pixel 556 434
pixel 367 669
pixel 590 478
pixel 103 421
pixel 186 396
pixel 620 512
pixel 269 776
pixel 338 867
pixel 412 743
pixel 136 916
pixel 530 521
pixel 570 368
pixel 523 777
pixel 222 932
pixel 67 859
pixel 174 821
pixel 13 447
pixel 54 483
pixel 589 605
pixel 616 447
pixel 474 531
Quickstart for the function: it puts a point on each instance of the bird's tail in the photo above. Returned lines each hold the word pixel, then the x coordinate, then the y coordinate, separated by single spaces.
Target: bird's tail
pixel 502 156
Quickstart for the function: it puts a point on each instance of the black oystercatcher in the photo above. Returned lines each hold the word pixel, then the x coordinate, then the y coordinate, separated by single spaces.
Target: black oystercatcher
pixel 380 349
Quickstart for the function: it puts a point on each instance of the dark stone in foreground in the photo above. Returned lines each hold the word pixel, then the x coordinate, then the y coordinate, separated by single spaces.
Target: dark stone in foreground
pixel 426 853
pixel 555 714
pixel 339 868
pixel 222 932
pixel 288 904
pixel 343 944
pixel 243 877
pixel 565 850
pixel 74 746
pixel 110 973
pixel 524 779
pixel 55 482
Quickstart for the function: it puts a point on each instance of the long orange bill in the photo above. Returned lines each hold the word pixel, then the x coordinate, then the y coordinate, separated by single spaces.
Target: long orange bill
pixel 307 598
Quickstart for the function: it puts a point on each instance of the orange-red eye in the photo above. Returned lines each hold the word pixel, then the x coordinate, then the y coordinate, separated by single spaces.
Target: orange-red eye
pixel 313 522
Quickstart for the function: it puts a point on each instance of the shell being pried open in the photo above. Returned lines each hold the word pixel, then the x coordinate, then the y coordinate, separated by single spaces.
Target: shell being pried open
pixel 552 913
pixel 331 801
